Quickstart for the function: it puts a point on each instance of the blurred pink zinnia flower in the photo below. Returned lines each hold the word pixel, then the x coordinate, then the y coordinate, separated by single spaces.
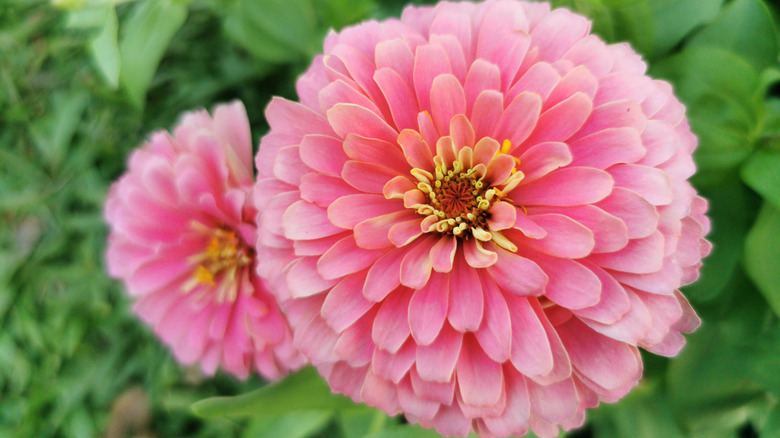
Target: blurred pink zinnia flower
pixel 182 239
pixel 478 213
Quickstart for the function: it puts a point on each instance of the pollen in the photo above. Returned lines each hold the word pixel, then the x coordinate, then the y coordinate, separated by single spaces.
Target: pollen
pixel 219 266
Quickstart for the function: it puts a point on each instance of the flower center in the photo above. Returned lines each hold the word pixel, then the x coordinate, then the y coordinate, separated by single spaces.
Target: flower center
pixel 458 198
pixel 220 263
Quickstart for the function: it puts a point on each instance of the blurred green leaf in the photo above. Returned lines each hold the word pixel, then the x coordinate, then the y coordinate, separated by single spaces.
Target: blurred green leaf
pixel 340 13
pixel 746 28
pixel 708 384
pixel 732 210
pixel 674 19
pixel 275 31
pixel 302 391
pixel 145 37
pixel 404 431
pixel 722 107
pixel 633 22
pixel 356 423
pixel 762 254
pixel 299 424
pixel 52 135
pixel 762 173
pixel 644 413
pixel 771 428
pixel 105 49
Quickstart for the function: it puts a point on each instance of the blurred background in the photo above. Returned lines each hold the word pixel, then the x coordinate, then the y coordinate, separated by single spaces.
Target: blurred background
pixel 83 82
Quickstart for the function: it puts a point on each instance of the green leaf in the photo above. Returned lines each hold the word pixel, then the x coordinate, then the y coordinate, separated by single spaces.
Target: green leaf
pixel 340 13
pixel 708 383
pixel 52 135
pixel 674 19
pixel 732 210
pixel 146 36
pixel 746 28
pixel 762 255
pixel 300 424
pixel 275 31
pixel 644 413
pixel 105 49
pixel 771 427
pixel 721 107
pixel 405 431
pixel 762 173
pixel 357 423
pixel 304 390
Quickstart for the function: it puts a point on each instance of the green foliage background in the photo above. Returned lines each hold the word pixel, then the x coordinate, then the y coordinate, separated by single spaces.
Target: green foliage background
pixel 82 82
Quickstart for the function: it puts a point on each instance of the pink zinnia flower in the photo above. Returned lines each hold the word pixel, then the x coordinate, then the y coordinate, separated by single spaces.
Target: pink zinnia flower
pixel 478 213
pixel 182 240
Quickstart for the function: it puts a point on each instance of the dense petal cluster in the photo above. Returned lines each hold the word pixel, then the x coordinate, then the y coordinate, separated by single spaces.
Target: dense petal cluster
pixel 477 213
pixel 182 239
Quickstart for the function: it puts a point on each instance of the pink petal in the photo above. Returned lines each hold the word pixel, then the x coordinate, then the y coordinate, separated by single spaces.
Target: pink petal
pixel 400 98
pixel 557 32
pixel 608 147
pixel 303 280
pixel 560 122
pixel 384 275
pixel 543 158
pixel 565 187
pixel 495 334
pixel 640 256
pixel 571 285
pixel 346 118
pixel 466 301
pixel 340 92
pixel 514 419
pixel 565 237
pixel 345 257
pixel 430 60
pixel 395 55
pixel 640 217
pixel 323 153
pixel 482 75
pixel 531 353
pixel 367 177
pixel 443 254
pixel 616 114
pixel 609 363
pixel 436 361
pixel 579 79
pixel 428 309
pixel 350 210
pixel 376 152
pixel 461 131
pixel 391 325
pixel 486 112
pixel 477 256
pixel 416 150
pixel 541 78
pixel 614 300
pixel 447 100
pixel 323 189
pixel 480 380
pixel 394 366
pixel 503 215
pixel 373 233
pixel 519 120
pixel 416 265
pixel 439 391
pixel 651 183
pixel 554 403
pixel 306 221
pixel 403 233
pixel 517 274
pixel 345 304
